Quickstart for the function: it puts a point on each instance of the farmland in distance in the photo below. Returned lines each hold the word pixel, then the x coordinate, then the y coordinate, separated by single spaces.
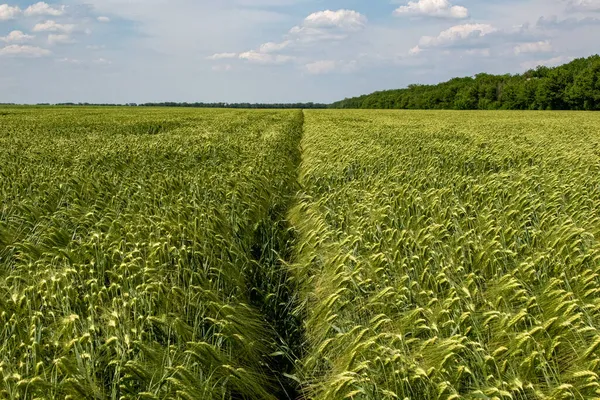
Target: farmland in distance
pixel 330 254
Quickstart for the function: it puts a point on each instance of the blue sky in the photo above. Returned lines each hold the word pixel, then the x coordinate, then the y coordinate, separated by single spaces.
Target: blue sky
pixel 275 50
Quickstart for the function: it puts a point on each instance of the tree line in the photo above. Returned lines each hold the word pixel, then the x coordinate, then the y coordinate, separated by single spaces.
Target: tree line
pixel 573 86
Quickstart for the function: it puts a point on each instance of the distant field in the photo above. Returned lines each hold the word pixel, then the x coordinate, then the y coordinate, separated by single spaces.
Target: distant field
pixel 324 254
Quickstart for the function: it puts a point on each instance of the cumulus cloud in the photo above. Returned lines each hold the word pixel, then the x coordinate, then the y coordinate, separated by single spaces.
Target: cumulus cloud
pixel 264 55
pixel 316 27
pixel 52 26
pixel 552 62
pixel 15 50
pixel 103 19
pixel 265 58
pixel 328 26
pixel 7 12
pixel 16 37
pixel 309 35
pixel 272 47
pixel 415 50
pixel 59 38
pixel 42 8
pixel 222 56
pixel 456 34
pixel 534 47
pixel 342 19
pixel 433 8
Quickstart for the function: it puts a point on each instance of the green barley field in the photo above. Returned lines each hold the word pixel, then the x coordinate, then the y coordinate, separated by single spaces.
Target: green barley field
pixel 324 254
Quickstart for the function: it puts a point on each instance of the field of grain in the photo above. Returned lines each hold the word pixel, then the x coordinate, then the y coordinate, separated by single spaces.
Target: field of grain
pixel 330 254
pixel 450 255
pixel 139 252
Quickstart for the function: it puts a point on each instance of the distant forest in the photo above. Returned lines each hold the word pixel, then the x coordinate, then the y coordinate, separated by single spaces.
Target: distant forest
pixel 573 86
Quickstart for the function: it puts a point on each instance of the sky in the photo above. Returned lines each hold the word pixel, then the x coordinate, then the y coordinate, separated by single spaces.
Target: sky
pixel 121 51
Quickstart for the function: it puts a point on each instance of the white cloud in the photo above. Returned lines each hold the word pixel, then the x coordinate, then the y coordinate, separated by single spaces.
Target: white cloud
pixel 433 8
pixel 308 35
pixel 584 5
pixel 15 50
pixel 534 47
pixel 328 26
pixel 7 12
pixel 42 8
pixel 272 47
pixel 263 58
pixel 552 62
pixel 321 67
pixel 52 26
pixel 457 33
pixel 343 19
pixel 95 46
pixel 415 50
pixel 317 27
pixel 59 38
pixel 222 56
pixel 222 68
pixel 103 19
pixel 16 37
